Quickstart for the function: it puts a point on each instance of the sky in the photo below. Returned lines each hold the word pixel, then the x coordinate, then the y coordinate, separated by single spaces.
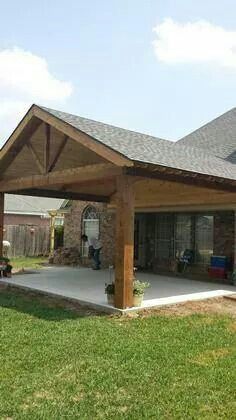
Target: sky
pixel 162 67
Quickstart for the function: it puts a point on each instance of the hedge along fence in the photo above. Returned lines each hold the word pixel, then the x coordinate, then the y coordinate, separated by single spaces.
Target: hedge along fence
pixel 27 241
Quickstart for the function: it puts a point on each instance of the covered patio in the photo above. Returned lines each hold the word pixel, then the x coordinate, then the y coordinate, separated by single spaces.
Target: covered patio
pixel 86 287
pixel 55 154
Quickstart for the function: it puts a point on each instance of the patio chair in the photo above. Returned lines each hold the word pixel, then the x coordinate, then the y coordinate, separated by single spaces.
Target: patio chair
pixel 186 259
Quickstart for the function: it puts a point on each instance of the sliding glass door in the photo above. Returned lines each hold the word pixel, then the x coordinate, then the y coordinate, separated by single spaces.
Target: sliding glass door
pixel 164 239
pixel 183 234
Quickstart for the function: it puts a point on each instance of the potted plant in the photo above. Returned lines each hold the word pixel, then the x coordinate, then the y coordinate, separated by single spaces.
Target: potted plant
pixel 110 292
pixel 138 291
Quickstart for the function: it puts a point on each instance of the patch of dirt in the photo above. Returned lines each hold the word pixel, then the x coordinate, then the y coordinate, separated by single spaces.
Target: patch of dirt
pixel 210 356
pixel 219 305
pixel 232 326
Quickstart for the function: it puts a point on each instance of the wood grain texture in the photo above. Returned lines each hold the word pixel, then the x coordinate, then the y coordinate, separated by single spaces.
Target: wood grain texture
pixel 75 175
pixel 35 157
pixel 69 195
pixel 17 141
pixel 158 194
pixel 58 153
pixel 47 145
pixel 124 243
pixel 82 138
pixel 1 222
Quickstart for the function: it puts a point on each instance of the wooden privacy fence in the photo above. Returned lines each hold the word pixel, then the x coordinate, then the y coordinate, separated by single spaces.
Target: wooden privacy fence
pixel 27 240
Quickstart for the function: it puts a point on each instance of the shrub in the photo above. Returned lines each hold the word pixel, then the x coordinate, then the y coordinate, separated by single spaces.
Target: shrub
pixel 139 287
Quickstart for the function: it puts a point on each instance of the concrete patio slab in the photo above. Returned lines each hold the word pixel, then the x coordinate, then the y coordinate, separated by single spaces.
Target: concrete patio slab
pixel 87 287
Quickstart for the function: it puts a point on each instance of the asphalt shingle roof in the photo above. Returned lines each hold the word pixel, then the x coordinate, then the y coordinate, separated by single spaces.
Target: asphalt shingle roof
pixel 217 137
pixel 148 149
pixel 19 204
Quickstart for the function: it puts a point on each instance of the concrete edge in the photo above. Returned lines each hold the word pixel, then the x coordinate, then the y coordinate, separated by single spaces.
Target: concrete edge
pixel 90 305
pixel 148 304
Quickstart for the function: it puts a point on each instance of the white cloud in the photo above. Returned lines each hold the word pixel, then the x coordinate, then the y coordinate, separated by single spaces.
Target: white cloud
pixel 199 41
pixel 24 79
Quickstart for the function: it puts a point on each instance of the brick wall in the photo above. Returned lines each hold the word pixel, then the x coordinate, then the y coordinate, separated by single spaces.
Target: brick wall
pixel 224 234
pixel 73 229
pixel 224 231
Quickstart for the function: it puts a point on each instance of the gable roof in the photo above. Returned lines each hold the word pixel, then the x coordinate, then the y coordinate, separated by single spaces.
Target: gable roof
pixel 217 137
pixel 131 144
pixel 38 206
pixel 151 150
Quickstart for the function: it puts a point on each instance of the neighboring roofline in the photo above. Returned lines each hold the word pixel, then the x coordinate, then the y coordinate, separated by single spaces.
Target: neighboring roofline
pixel 67 205
pixel 26 213
pixel 206 124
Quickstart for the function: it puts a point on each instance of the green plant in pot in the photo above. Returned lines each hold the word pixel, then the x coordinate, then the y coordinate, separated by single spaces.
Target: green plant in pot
pixel 138 291
pixel 110 292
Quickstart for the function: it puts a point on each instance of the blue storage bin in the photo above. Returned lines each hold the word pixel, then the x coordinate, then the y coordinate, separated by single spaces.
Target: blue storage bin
pixel 219 261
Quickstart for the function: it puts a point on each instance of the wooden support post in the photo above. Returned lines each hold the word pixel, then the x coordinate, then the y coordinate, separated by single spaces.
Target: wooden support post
pixel 124 242
pixel 1 222
pixel 47 148
pixel 52 230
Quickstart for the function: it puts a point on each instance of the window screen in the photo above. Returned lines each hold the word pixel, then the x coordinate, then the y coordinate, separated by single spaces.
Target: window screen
pixel 203 238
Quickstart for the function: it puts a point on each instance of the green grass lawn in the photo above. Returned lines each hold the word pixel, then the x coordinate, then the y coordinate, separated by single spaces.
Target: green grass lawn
pixel 59 364
pixel 27 262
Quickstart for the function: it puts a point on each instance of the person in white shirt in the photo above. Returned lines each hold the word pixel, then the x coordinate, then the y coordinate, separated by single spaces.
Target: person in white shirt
pixel 95 247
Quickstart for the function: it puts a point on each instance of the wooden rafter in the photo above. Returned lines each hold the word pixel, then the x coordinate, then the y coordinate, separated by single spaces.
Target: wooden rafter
pixel 58 153
pixel 82 138
pixel 183 177
pixel 35 157
pixel 67 176
pixel 17 140
pixel 47 147
pixel 70 195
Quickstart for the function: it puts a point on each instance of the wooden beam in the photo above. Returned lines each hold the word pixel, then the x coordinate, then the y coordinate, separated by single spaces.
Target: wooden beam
pixel 187 178
pixel 18 139
pixel 58 153
pixel 35 157
pixel 1 222
pixel 47 147
pixel 82 138
pixel 124 243
pixel 68 176
pixel 70 195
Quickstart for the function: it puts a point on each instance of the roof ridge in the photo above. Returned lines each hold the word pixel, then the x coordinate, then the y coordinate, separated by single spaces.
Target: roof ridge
pixel 105 123
pixel 206 124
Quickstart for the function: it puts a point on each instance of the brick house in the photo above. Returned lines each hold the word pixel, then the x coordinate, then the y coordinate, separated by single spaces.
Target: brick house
pixel 30 211
pixel 163 235
pixel 27 224
pixel 149 199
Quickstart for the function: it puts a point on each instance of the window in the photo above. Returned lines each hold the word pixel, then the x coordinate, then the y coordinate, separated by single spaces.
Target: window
pixel 59 221
pixel 203 238
pixel 90 226
pixel 183 234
